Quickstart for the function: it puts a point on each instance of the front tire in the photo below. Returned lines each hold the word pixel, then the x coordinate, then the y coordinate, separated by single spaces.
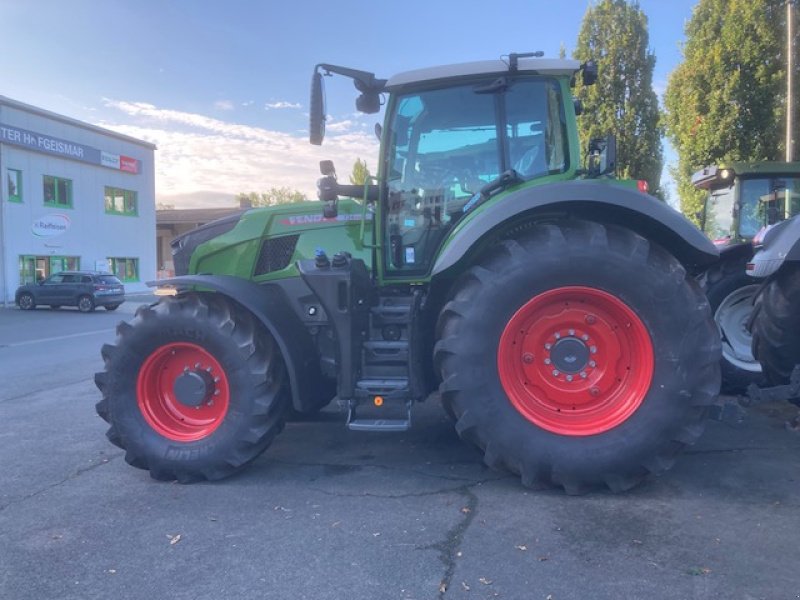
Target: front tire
pixel 578 355
pixel 730 292
pixel 194 389
pixel 776 326
pixel 26 302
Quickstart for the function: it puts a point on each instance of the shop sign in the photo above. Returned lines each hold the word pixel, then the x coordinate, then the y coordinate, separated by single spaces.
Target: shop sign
pixel 66 149
pixel 50 225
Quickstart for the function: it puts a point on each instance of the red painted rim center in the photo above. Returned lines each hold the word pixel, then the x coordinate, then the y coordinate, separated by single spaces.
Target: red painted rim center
pixel 159 403
pixel 575 361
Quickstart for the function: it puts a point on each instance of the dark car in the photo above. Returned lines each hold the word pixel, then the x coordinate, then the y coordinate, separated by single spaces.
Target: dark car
pixel 84 289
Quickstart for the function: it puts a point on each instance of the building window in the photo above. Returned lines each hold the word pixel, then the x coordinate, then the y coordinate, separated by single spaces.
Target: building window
pixel 121 202
pixel 57 192
pixel 126 269
pixel 14 179
pixel 36 268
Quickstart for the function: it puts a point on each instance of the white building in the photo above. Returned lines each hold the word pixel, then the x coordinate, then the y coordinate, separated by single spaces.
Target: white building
pixel 74 196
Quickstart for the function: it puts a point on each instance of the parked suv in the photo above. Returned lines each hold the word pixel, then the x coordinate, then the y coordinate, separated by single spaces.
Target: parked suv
pixel 84 289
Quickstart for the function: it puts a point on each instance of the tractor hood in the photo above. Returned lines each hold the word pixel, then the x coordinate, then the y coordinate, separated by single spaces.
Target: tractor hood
pixel 268 241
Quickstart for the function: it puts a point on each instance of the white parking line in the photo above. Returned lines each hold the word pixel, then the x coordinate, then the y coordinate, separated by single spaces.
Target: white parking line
pixel 56 338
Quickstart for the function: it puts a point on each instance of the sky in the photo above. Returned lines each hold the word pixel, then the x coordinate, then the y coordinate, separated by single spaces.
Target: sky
pixel 222 87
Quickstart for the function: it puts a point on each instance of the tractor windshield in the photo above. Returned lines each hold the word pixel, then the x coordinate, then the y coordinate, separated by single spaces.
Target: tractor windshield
pixel 765 201
pixel 446 144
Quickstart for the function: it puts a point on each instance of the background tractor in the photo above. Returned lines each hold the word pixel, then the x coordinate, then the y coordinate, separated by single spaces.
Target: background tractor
pixel 743 198
pixel 555 311
pixel 776 320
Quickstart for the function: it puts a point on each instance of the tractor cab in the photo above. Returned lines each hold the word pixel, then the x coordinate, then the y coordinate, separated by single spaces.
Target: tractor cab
pixel 453 138
pixel 743 198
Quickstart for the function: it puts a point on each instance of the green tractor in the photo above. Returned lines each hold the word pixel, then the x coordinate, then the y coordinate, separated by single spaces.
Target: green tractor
pixel 555 311
pixel 743 198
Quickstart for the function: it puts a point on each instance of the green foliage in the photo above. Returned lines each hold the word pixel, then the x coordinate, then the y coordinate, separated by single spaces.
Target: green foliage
pixel 360 172
pixel 273 196
pixel 725 101
pixel 614 34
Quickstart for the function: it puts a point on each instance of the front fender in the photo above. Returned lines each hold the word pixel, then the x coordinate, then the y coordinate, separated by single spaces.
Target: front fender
pixel 586 199
pixel 269 304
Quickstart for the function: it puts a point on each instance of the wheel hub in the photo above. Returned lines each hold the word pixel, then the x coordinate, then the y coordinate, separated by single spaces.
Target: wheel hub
pixel 570 355
pixel 182 391
pixel 575 361
pixel 193 388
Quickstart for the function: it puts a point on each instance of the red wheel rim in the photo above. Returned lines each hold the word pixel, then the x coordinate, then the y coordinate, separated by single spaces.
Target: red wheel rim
pixel 575 361
pixel 158 400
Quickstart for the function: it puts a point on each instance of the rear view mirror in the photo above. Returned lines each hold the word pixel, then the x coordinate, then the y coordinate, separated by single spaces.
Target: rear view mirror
pixel 602 156
pixel 589 72
pixel 316 116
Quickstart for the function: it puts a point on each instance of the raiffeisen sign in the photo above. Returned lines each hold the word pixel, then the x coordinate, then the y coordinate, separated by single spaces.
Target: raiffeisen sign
pixel 50 225
pixel 66 149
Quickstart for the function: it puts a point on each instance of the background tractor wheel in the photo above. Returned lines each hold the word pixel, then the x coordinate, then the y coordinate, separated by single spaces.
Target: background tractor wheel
pixel 776 326
pixel 730 292
pixel 569 370
pixel 194 389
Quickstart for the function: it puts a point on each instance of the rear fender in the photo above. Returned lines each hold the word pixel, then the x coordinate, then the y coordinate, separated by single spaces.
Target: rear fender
pixel 270 305
pixel 589 200
pixel 781 245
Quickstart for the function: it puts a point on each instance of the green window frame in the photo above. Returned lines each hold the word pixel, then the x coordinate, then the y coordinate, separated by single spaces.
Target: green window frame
pixel 125 268
pixel 14 182
pixel 57 191
pixel 34 268
pixel 121 202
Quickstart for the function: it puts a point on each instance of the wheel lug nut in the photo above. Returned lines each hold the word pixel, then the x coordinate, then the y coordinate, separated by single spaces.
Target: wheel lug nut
pixel 186 368
pixel 593 349
pixel 527 358
pixel 572 332
pixel 216 392
pixel 583 374
pixel 196 365
pixel 557 336
pixel 547 361
pixel 592 363
pixel 216 379
pixel 555 373
pixel 208 369
pixel 548 346
pixel 569 377
pixel 585 337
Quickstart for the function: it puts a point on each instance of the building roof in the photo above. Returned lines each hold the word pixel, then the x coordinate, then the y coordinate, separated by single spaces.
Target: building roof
pixel 182 216
pixel 5 101
pixel 543 66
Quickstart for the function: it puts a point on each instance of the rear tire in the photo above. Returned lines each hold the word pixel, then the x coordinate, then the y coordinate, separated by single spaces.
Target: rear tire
pixel 111 307
pixel 656 357
pixel 776 326
pixel 85 304
pixel 239 411
pixel 730 292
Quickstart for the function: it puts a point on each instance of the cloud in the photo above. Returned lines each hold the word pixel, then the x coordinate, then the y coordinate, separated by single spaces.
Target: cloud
pixel 338 126
pixel 223 105
pixel 281 104
pixel 199 153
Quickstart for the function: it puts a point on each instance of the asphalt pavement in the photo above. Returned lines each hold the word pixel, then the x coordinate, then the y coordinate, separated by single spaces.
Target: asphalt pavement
pixel 331 514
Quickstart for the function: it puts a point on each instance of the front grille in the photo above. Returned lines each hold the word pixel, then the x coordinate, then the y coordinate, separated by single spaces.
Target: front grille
pixel 275 254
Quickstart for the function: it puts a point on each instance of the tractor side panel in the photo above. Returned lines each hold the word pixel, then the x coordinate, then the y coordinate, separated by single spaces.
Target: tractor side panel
pixel 266 243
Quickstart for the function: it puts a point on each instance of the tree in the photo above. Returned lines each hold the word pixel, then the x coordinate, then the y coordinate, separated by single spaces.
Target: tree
pixel 725 101
pixel 614 34
pixel 360 172
pixel 273 196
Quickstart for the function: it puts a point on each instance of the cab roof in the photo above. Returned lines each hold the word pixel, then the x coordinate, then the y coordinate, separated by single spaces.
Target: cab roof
pixel 541 66
pixel 724 173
